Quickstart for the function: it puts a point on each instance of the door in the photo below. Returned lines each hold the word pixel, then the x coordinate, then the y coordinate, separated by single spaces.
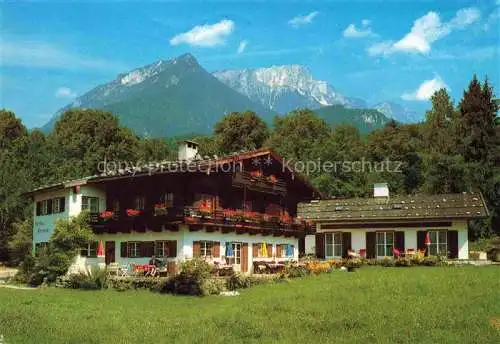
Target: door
pixel 109 255
pixel 237 256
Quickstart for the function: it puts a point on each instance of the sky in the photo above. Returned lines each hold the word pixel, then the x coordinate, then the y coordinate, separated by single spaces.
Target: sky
pixel 399 51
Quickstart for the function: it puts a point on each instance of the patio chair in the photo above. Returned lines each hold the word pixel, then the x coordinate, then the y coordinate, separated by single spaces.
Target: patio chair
pixel 113 269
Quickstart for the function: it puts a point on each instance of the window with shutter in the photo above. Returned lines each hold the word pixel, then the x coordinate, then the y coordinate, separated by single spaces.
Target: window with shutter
pixel 333 245
pixel 370 244
pixel 123 249
pixel 172 252
pixel 320 245
pixel 269 249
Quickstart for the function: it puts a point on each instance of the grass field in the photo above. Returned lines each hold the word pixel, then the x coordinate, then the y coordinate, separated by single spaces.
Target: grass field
pixel 371 305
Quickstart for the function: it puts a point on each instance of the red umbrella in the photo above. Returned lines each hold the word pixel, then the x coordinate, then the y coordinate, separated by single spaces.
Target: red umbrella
pixel 427 239
pixel 100 249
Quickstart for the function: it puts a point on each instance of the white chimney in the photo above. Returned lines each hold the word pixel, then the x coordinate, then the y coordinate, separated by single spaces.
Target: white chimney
pixel 380 190
pixel 188 150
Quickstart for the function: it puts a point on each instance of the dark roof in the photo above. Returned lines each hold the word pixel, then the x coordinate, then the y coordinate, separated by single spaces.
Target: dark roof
pixel 165 167
pixel 418 207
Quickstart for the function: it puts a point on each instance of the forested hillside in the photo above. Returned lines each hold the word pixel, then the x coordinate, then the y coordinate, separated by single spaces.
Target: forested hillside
pixel 456 149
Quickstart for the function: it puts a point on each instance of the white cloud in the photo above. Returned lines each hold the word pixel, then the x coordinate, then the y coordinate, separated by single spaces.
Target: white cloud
pixel 36 54
pixel 208 35
pixel 242 46
pixel 65 92
pixel 366 22
pixel 303 20
pixel 425 31
pixel 426 89
pixel 352 31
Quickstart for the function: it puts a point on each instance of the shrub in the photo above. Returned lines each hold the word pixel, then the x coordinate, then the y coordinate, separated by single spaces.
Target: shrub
pixel 387 262
pixel 295 271
pixel 97 279
pixel 191 279
pixel 213 286
pixel 21 242
pixel 403 261
pixel 317 267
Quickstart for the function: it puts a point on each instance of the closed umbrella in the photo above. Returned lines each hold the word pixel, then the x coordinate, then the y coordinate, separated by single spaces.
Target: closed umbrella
pixel 289 250
pixel 229 249
pixel 264 249
pixel 100 249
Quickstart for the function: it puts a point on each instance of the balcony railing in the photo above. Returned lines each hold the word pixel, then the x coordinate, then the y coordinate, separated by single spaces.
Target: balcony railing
pixel 267 184
pixel 244 219
pixel 155 220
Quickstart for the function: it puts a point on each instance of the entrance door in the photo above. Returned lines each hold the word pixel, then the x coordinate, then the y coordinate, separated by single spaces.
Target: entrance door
pixel 109 255
pixel 237 256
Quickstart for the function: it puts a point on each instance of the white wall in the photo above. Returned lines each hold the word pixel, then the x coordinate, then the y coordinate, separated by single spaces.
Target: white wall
pixel 358 237
pixel 185 240
pixel 44 225
pixel 310 244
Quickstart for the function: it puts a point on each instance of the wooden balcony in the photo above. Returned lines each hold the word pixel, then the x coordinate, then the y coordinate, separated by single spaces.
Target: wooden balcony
pixel 259 184
pixel 254 223
pixel 219 219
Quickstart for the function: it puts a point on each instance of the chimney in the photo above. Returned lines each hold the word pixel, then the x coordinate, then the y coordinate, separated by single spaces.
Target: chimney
pixel 380 190
pixel 188 150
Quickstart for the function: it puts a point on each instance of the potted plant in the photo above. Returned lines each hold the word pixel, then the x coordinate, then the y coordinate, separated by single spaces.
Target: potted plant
pixel 133 212
pixel 272 179
pixel 106 215
pixel 205 210
pixel 256 174
pixel 160 209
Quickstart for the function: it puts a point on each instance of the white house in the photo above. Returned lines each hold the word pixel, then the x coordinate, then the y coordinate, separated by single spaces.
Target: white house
pixel 237 209
pixel 375 226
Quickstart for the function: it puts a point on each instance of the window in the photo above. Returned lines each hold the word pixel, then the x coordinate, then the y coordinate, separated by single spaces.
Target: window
pixel 439 243
pixel 140 202
pixel 168 199
pixel 56 206
pixel 91 204
pixel 333 245
pixel 162 248
pixel 206 248
pixel 116 206
pixel 40 246
pixel 385 244
pixel 133 249
pixel 45 207
pixel 50 206
pixel 286 251
pixel 90 250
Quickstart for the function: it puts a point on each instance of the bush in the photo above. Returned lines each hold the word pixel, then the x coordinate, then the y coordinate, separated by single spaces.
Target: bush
pixel 295 272
pixel 97 279
pixel 213 286
pixel 387 262
pixel 403 261
pixel 191 279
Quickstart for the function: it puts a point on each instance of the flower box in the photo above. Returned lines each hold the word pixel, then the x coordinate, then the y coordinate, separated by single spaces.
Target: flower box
pixel 133 212
pixel 106 215
pixel 160 210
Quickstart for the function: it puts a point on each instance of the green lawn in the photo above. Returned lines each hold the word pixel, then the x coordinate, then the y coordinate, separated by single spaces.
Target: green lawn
pixel 371 305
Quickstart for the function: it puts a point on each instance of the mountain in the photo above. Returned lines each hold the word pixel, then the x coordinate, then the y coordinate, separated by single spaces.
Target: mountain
pixel 285 88
pixel 398 112
pixel 366 120
pixel 167 98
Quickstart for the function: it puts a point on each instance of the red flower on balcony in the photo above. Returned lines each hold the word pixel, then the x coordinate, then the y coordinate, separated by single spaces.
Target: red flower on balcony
pixel 272 179
pixel 285 218
pixel 106 215
pixel 256 174
pixel 160 209
pixel 133 212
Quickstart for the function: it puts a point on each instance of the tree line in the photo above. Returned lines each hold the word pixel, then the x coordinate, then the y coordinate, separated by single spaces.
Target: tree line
pixel 455 149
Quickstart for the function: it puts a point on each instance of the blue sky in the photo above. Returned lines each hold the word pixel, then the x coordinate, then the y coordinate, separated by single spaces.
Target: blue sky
pixel 392 50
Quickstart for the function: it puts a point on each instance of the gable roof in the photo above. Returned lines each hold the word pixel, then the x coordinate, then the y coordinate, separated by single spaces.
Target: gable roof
pixel 447 206
pixel 166 167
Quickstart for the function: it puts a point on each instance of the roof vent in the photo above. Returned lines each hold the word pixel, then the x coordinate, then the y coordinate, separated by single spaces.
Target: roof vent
pixel 380 190
pixel 188 150
pixel 397 206
pixel 339 208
